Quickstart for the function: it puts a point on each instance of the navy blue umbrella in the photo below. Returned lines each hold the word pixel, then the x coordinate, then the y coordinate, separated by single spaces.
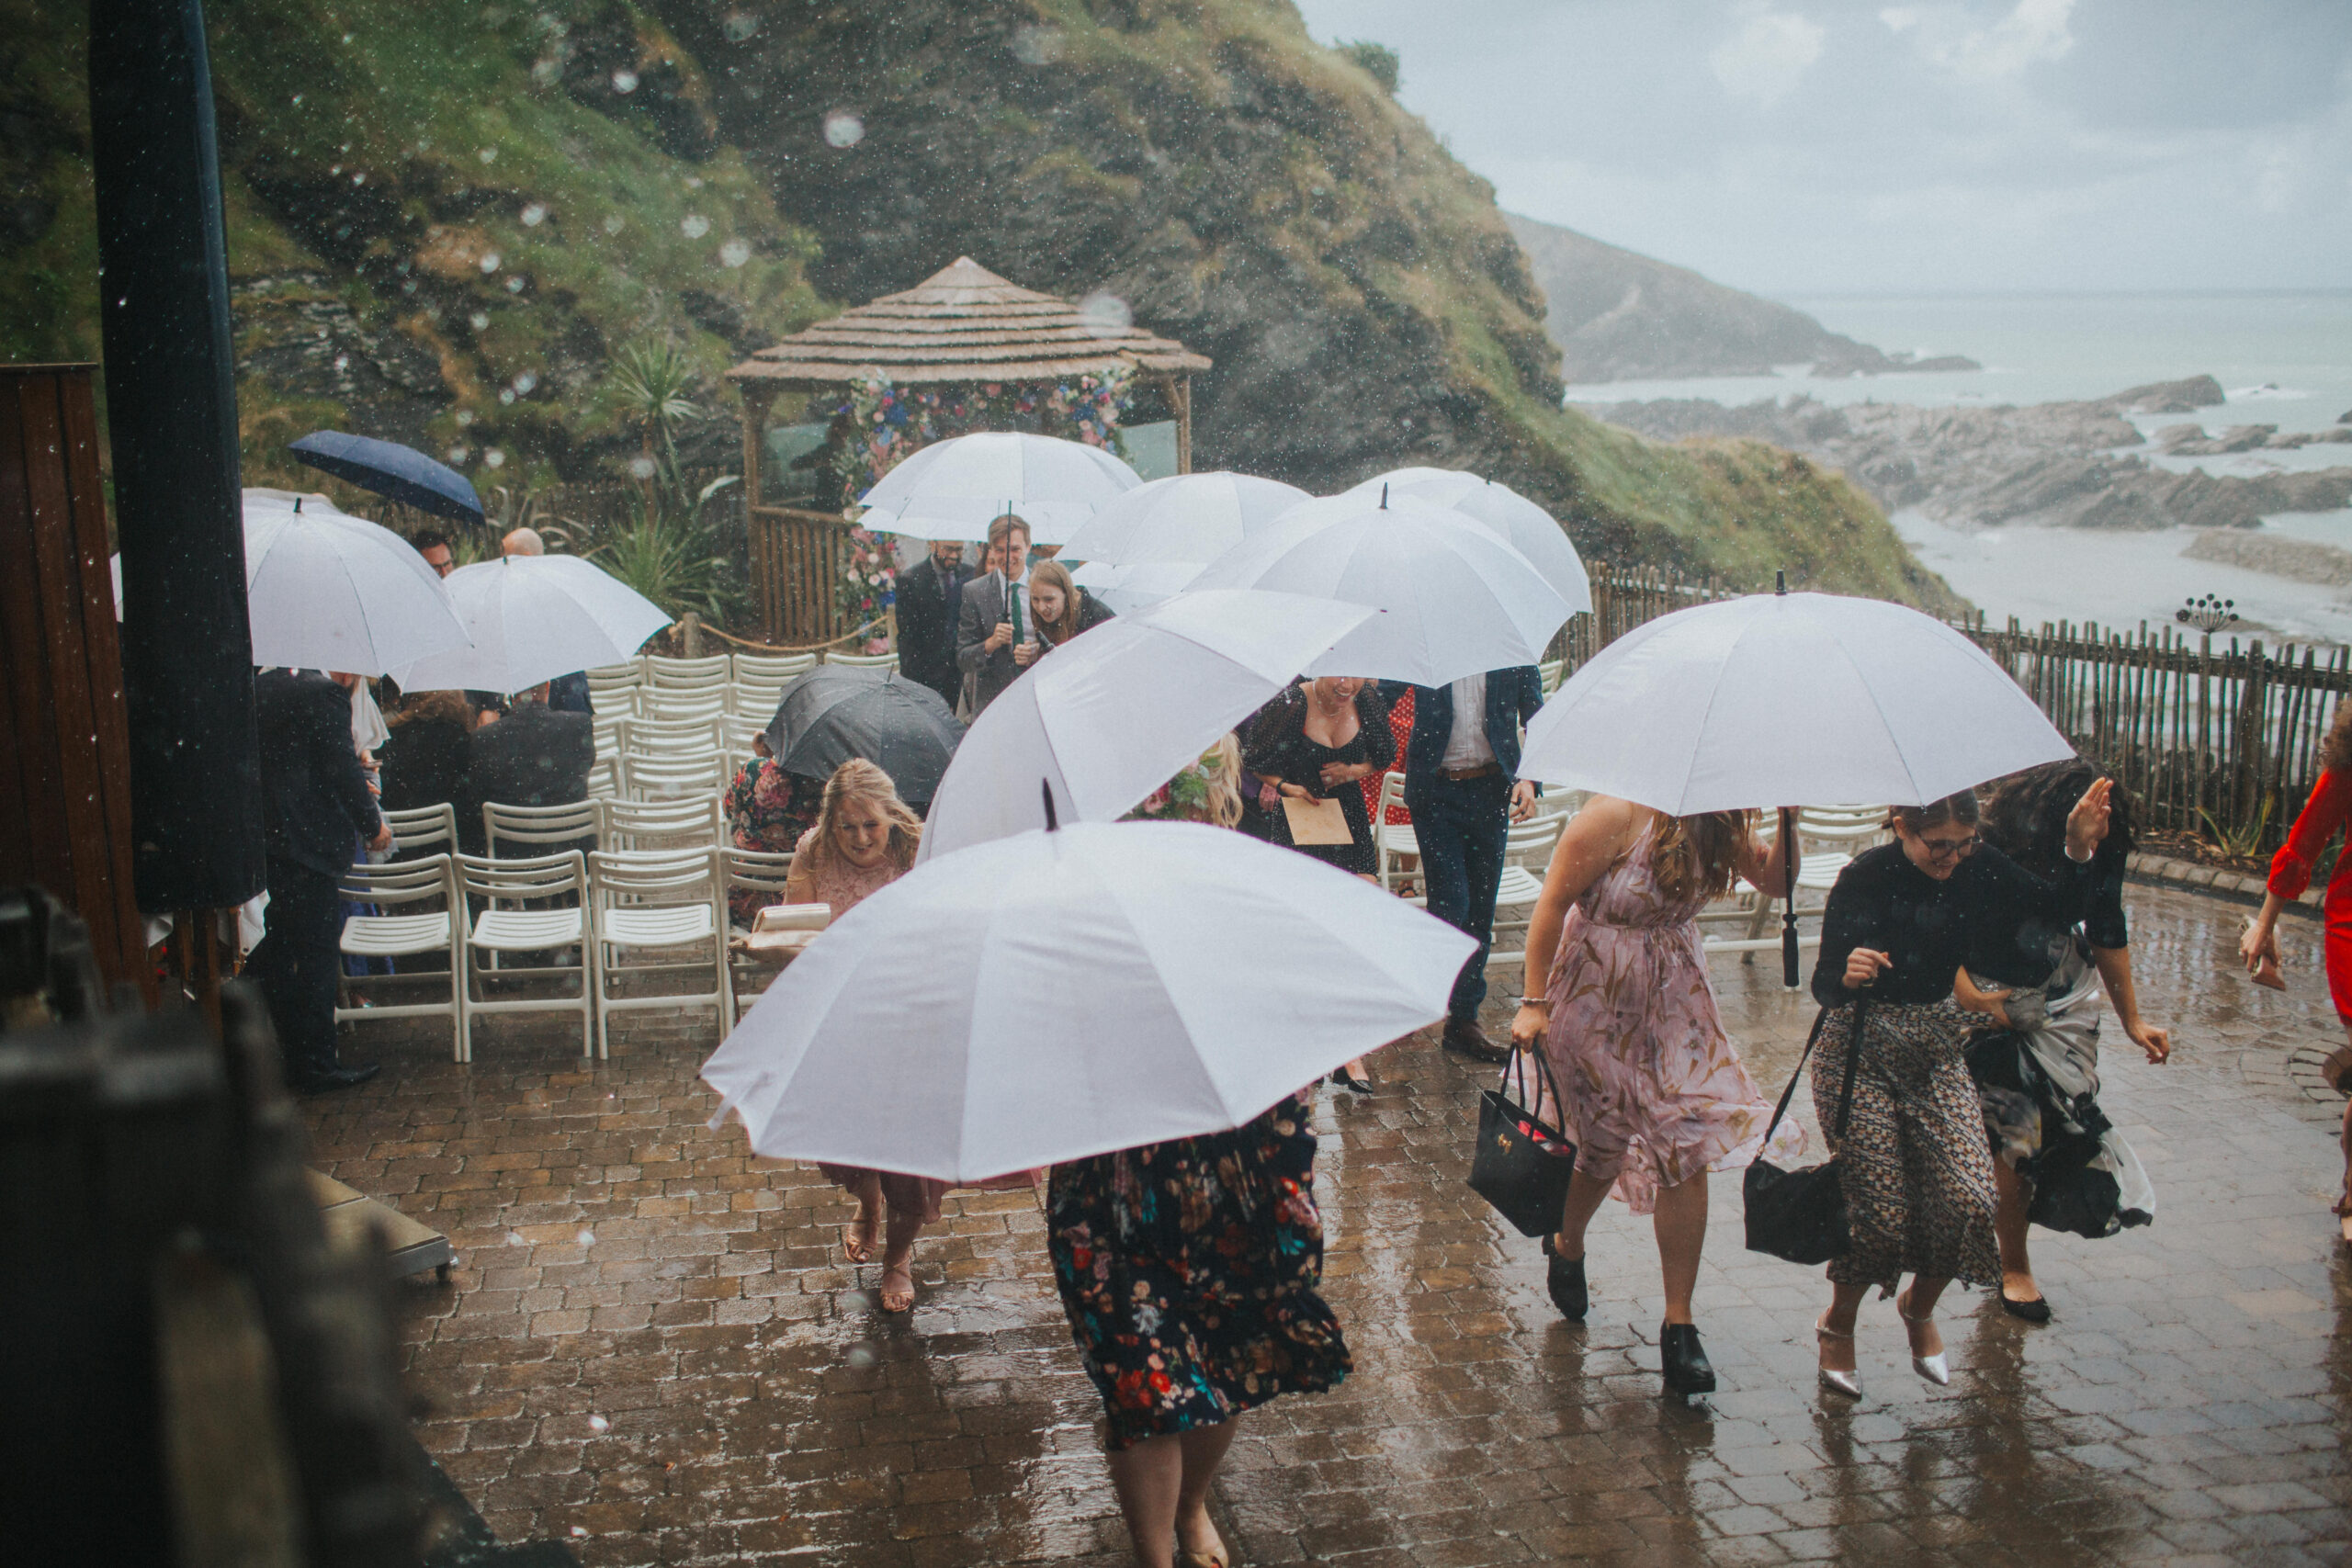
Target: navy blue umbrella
pixel 399 473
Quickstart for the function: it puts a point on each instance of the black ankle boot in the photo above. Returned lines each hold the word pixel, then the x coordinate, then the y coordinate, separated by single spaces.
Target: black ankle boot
pixel 1682 1360
pixel 1564 1278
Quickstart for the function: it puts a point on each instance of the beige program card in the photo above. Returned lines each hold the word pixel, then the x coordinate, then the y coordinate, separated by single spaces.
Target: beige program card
pixel 1316 821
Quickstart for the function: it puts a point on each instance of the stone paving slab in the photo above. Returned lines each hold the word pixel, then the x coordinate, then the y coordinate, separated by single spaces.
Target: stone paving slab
pixel 652 1349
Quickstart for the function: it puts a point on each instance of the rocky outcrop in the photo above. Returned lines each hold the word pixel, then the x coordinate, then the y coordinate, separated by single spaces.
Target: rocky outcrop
pixel 2303 560
pixel 1619 316
pixel 2069 464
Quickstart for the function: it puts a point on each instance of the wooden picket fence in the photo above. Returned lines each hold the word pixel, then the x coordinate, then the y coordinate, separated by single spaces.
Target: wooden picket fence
pixel 2217 740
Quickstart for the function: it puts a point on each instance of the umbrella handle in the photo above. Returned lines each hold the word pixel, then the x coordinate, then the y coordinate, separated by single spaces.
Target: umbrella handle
pixel 1789 897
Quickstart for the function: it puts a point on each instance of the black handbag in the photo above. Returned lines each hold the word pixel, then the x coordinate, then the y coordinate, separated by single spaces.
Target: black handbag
pixel 1801 1215
pixel 1522 1166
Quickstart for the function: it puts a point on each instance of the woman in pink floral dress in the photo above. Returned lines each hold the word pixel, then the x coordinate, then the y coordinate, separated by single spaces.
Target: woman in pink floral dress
pixel 1618 996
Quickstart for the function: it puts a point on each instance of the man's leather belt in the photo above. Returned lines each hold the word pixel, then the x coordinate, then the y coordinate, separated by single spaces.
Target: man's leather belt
pixel 1456 775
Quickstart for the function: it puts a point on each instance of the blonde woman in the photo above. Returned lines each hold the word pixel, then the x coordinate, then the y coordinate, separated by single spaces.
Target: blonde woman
pixel 865 840
pixel 1062 608
pixel 1619 1002
pixel 1208 790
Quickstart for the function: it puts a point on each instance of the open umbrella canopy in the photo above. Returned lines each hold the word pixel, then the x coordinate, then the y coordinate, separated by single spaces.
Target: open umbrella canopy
pixel 1458 600
pixel 1117 713
pixel 390 469
pixel 1529 529
pixel 1131 590
pixel 836 711
pixel 533 618
pixel 955 489
pixel 1052 996
pixel 1187 517
pixel 332 592
pixel 1787 699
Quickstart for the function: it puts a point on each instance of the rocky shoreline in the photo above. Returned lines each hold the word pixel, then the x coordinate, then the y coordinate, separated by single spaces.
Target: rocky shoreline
pixel 2079 465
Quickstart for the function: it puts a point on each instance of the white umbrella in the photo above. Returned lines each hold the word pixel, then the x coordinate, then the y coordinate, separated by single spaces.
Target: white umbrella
pixel 1783 699
pixel 1531 531
pixel 1129 590
pixel 1187 517
pixel 954 488
pixel 1057 995
pixel 330 591
pixel 1457 599
pixel 533 618
pixel 1115 713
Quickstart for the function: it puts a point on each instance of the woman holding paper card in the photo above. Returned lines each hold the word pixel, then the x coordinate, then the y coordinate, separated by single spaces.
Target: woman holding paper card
pixel 1311 747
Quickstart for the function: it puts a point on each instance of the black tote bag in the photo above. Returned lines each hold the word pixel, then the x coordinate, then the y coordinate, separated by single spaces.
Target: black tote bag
pixel 1801 1215
pixel 1522 1166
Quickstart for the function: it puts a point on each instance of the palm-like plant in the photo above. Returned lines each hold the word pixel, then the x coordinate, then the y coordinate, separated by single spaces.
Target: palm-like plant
pixel 669 552
pixel 651 384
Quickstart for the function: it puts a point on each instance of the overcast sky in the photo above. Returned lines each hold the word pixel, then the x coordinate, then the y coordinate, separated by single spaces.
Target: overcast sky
pixel 1810 146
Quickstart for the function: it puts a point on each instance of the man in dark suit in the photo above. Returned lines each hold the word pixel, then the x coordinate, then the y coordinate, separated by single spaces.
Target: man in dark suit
pixel 534 756
pixel 1459 764
pixel 996 637
pixel 931 598
pixel 316 806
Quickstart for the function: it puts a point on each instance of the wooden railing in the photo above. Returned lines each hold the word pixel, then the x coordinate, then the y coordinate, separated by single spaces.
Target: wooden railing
pixel 2209 740
pixel 796 560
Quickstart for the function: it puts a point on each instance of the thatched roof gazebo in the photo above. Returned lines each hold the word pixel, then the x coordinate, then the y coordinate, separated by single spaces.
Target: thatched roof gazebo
pixel 964 328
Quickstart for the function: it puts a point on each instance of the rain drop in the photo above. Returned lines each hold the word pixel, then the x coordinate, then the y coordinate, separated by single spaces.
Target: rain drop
pixel 488 154
pixel 843 128
pixel 1035 45
pixel 693 182
pixel 1105 314
pixel 346 38
pixel 641 467
pixel 465 417
pixel 457 454
pixel 579 1529
pixel 506 394
pixel 298 100
pixel 694 226
pixel 524 383
pixel 535 215
pixel 740 26
pixel 515 285
pixel 336 170
pixel 343 362
pixel 587 1236
pixel 515 1238
pixel 624 82
pixel 735 252
pixel 478 319
pixel 599 1423
pixel 495 457
pixel 613 223
pixel 861 1355
pixel 490 263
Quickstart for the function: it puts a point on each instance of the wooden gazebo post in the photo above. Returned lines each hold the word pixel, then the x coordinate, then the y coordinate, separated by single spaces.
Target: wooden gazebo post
pixel 964 326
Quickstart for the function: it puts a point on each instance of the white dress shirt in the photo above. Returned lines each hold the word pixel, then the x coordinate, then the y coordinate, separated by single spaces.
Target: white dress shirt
pixel 1466 743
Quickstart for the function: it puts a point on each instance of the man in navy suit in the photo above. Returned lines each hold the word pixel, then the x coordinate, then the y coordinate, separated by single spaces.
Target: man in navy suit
pixel 315 807
pixel 1459 786
pixel 931 602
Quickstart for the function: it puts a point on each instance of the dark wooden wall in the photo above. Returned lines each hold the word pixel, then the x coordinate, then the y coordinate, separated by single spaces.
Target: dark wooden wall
pixel 64 765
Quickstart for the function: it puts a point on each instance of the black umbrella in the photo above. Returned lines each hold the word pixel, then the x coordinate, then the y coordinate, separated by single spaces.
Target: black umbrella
pixel 839 711
pixel 397 472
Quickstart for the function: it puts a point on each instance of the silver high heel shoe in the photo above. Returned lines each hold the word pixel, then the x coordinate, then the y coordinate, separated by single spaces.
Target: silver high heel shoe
pixel 1932 1368
pixel 1847 1384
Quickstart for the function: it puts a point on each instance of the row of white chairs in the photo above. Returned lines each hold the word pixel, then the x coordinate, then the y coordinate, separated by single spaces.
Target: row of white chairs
pixel 594 934
pixel 690 823
pixel 749 699
pixel 662 673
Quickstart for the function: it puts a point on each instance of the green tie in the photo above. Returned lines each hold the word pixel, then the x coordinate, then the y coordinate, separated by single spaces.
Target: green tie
pixel 1012 601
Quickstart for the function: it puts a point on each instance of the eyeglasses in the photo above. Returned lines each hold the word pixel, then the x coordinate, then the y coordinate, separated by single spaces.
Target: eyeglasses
pixel 1949 849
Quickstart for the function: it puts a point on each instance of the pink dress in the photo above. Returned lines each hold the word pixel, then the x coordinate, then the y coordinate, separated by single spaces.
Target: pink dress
pixel 844 886
pixel 1655 1095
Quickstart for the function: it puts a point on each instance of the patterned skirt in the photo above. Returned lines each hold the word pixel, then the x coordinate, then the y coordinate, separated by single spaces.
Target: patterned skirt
pixel 1914 1166
pixel 1188 1271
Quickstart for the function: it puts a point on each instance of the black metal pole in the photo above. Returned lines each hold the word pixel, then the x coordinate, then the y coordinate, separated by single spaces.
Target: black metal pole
pixel 171 413
pixel 1789 897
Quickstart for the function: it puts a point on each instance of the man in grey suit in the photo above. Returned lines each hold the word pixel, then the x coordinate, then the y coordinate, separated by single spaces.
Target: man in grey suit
pixel 996 637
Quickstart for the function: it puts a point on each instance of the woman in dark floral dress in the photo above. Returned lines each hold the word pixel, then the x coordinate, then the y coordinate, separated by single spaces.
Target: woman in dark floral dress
pixel 767 810
pixel 1188 1271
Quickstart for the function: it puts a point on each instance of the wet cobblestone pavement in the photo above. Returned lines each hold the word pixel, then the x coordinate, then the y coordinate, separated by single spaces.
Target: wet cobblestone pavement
pixel 652 1349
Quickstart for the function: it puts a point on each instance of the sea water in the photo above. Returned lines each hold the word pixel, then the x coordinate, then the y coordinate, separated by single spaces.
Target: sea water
pixel 2282 358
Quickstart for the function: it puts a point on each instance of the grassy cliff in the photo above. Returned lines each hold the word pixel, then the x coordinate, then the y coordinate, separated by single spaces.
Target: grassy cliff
pixel 445 217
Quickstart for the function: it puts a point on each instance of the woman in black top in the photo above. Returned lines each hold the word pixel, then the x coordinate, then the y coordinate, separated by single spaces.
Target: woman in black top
pixel 1913 1165
pixel 1318 741
pixel 2057 1161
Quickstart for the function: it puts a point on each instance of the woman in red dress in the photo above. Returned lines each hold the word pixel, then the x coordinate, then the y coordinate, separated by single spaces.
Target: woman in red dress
pixel 2290 873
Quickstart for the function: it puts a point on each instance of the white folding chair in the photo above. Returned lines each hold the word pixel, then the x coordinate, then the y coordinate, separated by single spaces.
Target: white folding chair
pixel 407 924
pixel 673 778
pixel 736 733
pixel 604 778
pixel 760 873
pixel 671 738
pixel 423 830
pixel 656 916
pixel 666 674
pixel 1527 854
pixel 1549 673
pixel 1829 838
pixel 646 826
pixel 614 680
pixel 771 669
pixel 1393 843
pixel 608 728
pixel 519 915
pixel 685 708
pixel 541 829
pixel 865 660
